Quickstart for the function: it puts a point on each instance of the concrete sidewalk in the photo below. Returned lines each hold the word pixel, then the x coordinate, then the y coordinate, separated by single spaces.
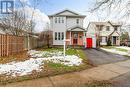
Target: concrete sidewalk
pixel 102 72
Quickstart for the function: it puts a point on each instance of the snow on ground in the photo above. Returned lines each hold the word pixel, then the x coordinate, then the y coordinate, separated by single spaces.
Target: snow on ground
pixel 37 61
pixel 117 51
pixel 124 47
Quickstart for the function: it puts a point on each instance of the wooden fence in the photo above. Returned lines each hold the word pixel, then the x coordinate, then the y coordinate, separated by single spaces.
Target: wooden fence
pixel 10 44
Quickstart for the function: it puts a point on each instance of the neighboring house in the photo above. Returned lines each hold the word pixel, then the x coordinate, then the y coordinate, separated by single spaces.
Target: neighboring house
pixel 67 24
pixel 104 31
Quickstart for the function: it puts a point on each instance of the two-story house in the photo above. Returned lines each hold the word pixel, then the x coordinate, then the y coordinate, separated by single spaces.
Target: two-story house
pixel 105 31
pixel 67 24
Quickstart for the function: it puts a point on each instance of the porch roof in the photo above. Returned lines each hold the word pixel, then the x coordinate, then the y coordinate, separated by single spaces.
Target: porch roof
pixel 77 28
pixel 115 34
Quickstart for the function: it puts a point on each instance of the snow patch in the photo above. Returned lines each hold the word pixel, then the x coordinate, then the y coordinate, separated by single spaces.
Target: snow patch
pixel 116 51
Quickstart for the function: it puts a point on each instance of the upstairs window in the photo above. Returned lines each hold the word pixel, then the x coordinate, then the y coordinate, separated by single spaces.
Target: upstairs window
pixel 116 28
pixel 99 27
pixel 107 28
pixel 77 21
pixel 55 20
pixel 59 19
pixel 62 20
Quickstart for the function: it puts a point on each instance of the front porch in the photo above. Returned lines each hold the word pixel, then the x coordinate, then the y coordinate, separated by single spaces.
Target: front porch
pixel 76 36
pixel 115 40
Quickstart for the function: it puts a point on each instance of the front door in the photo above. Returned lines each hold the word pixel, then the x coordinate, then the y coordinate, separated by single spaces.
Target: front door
pixel 75 38
pixel 114 40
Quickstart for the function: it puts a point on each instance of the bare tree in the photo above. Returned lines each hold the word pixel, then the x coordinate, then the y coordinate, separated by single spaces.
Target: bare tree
pixel 46 36
pixel 19 22
pixel 110 5
pixel 14 23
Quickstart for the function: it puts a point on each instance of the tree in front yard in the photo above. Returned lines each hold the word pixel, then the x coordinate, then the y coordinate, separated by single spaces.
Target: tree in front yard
pixel 125 36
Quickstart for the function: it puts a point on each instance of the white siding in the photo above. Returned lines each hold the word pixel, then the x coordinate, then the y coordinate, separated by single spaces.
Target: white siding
pixel 58 27
pixel 71 22
pixel 91 30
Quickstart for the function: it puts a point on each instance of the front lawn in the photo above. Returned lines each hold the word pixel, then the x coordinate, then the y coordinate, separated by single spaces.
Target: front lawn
pixel 44 62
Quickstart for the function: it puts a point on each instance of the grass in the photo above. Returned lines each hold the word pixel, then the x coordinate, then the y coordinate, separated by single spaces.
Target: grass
pixel 123 50
pixel 98 84
pixel 109 47
pixel 22 56
pixel 50 69
pixel 56 68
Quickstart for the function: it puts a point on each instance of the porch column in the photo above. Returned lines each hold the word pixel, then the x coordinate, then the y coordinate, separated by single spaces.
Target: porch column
pixel 70 37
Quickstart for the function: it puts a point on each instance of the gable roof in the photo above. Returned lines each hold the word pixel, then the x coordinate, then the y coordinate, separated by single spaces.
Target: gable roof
pixel 66 10
pixel 71 13
pixel 75 27
pixel 105 23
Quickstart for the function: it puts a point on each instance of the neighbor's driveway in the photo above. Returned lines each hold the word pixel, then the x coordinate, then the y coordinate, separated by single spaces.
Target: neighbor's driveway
pixel 98 56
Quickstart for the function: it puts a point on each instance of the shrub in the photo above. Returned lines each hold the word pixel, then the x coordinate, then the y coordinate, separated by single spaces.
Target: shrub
pixel 109 42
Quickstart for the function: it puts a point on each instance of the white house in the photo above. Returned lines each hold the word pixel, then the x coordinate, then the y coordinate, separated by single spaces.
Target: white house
pixel 69 25
pixel 105 31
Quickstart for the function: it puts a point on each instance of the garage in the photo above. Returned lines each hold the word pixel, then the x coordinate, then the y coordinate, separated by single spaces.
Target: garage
pixel 90 42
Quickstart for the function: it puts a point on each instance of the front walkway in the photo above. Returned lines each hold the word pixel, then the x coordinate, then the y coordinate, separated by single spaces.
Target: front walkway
pixel 102 72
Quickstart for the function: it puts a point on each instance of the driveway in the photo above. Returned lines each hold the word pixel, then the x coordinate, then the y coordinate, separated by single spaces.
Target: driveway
pixel 99 57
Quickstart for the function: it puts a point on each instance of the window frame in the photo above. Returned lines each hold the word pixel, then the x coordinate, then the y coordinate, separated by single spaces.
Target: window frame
pixel 56 36
pixel 59 20
pixel 116 28
pixel 107 28
pixel 62 19
pixel 77 21
pixel 62 35
pixel 59 36
pixel 55 19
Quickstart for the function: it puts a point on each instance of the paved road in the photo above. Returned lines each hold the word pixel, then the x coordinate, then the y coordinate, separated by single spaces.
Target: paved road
pixel 98 56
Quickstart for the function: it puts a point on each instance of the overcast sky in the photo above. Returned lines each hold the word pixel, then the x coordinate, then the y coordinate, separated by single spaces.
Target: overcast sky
pixel 48 7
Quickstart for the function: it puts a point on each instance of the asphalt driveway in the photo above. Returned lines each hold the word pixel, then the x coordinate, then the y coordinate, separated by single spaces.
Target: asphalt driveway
pixel 99 57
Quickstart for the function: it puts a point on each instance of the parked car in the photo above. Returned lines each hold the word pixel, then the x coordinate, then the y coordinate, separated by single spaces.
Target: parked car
pixel 125 43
